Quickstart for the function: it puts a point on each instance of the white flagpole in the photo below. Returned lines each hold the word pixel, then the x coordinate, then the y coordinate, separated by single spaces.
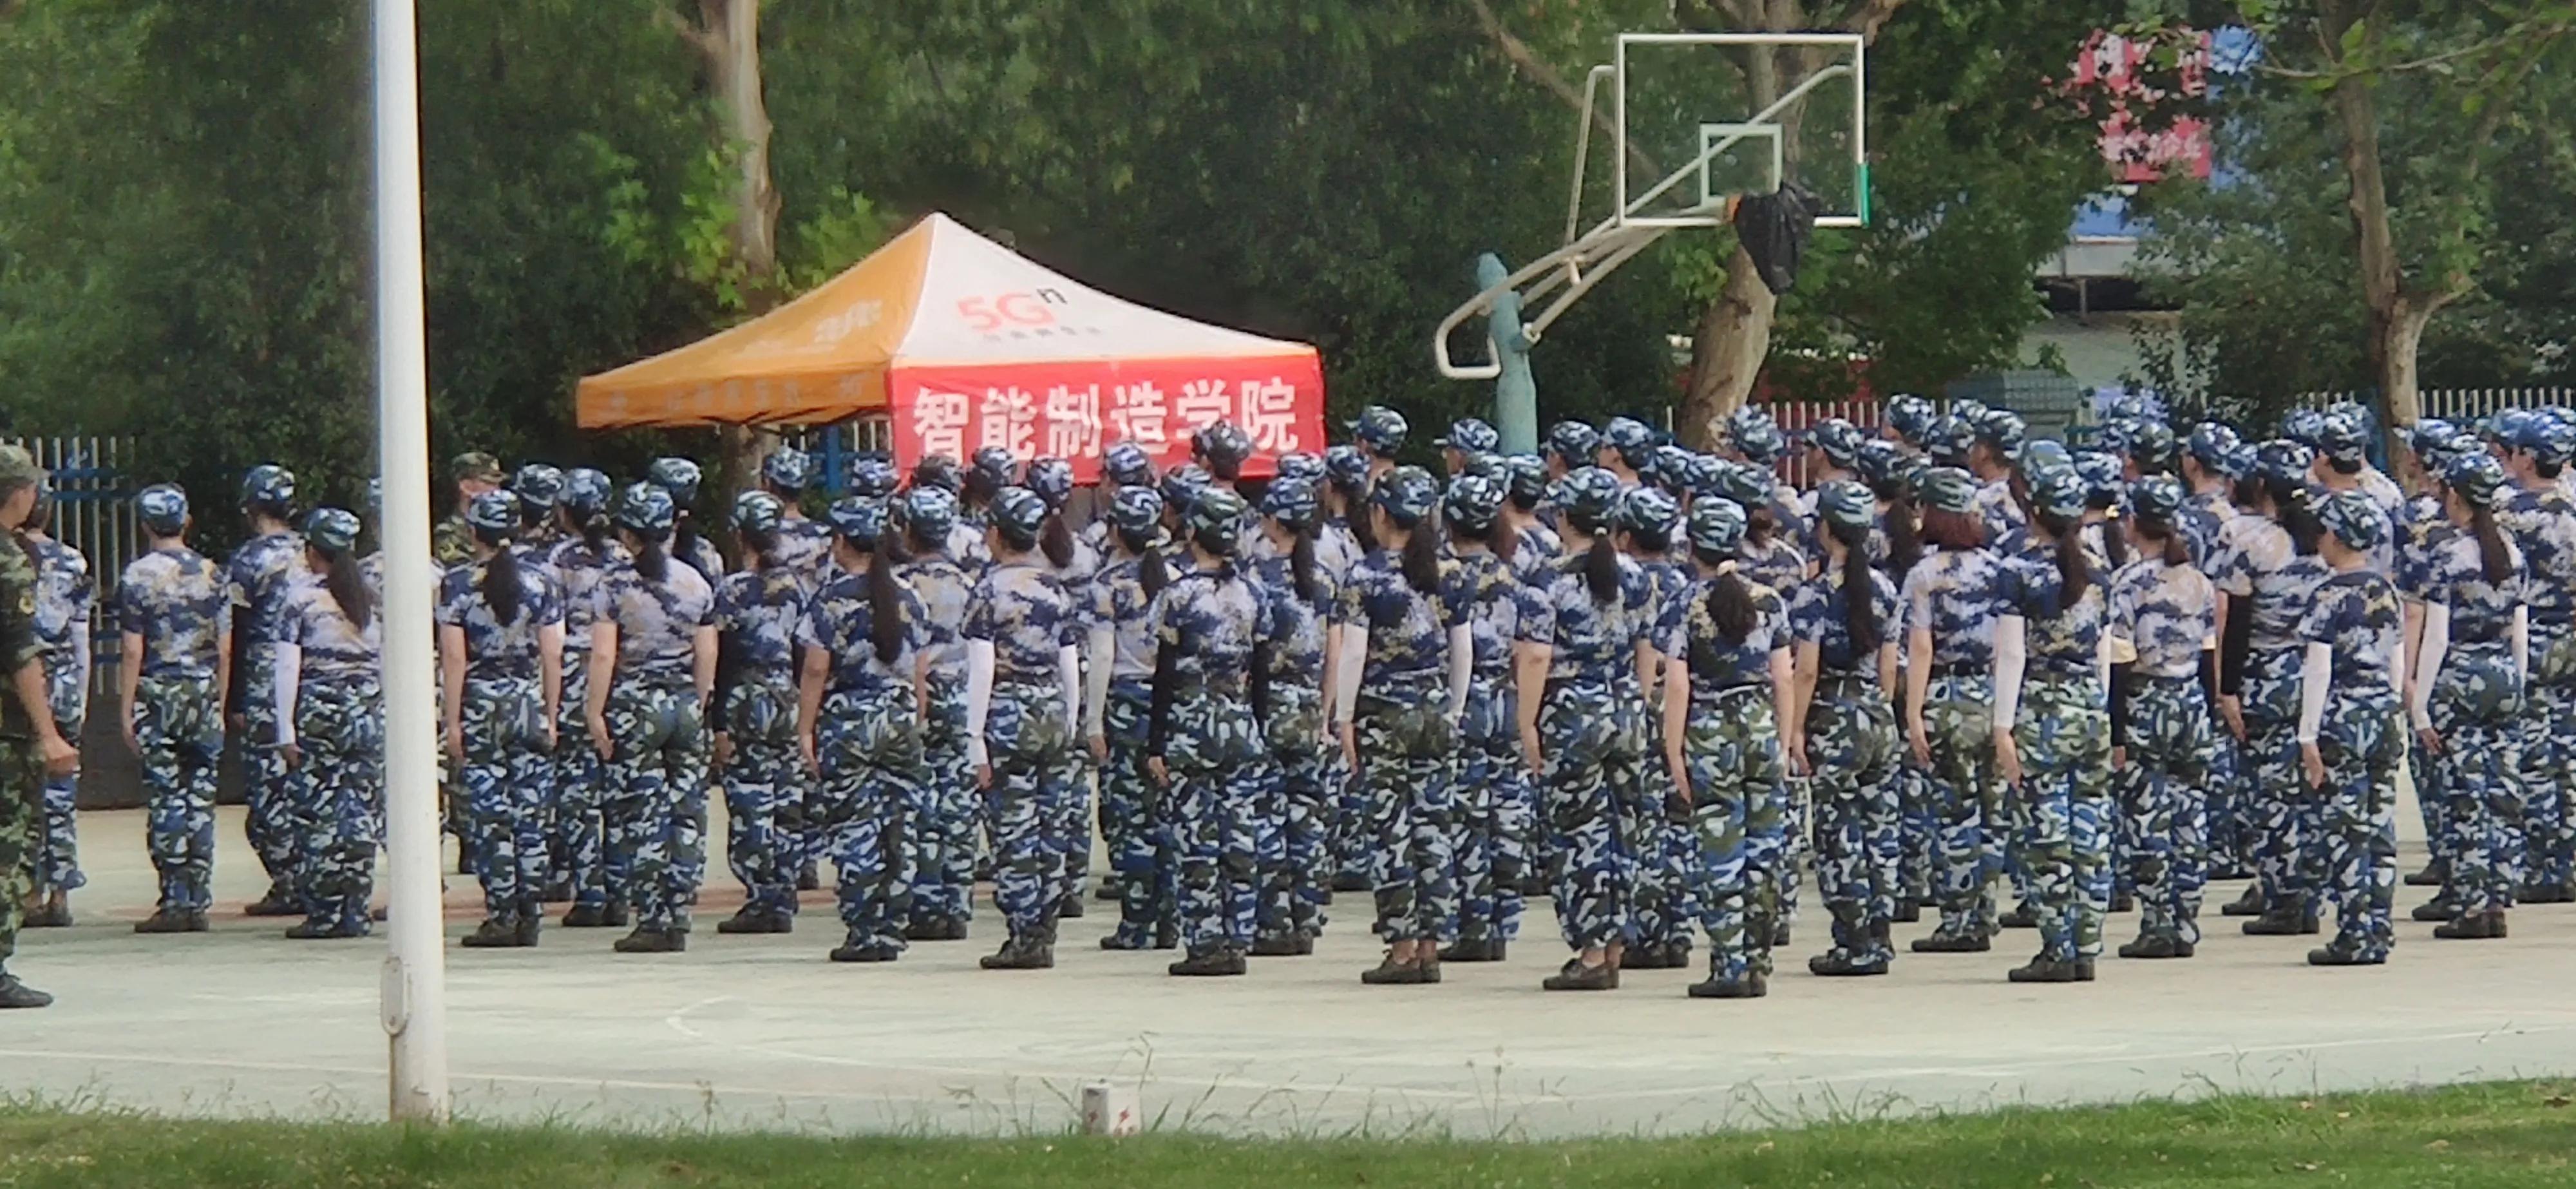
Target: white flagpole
pixel 415 992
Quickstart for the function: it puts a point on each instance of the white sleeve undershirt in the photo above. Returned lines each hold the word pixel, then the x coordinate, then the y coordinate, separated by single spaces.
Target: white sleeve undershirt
pixel 2315 675
pixel 1462 666
pixel 1346 678
pixel 2011 640
pixel 290 676
pixel 979 699
pixel 2428 661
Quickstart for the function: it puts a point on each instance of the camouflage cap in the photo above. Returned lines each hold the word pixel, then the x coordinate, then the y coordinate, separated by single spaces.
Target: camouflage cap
pixel 331 530
pixel 1137 510
pixel 1298 464
pixel 1221 443
pixel 162 507
pixel 1216 521
pixel 874 476
pixel 1020 515
pixel 931 510
pixel 677 477
pixel 1380 428
pixel 1589 497
pixel 1127 464
pixel 1947 489
pixel 647 509
pixel 1649 513
pixel 1291 501
pixel 1472 435
pixel 858 519
pixel 1847 504
pixel 1052 479
pixel 2477 476
pixel 1573 441
pixel 493 512
pixel 2156 497
pixel 17 467
pixel 1910 416
pixel 587 492
pixel 1407 494
pixel 1717 527
pixel 2352 518
pixel 788 469
pixel 2057 494
pixel 538 485
pixel 478 467
pixel 1472 502
pixel 758 512
pixel 1838 440
pixel 1756 436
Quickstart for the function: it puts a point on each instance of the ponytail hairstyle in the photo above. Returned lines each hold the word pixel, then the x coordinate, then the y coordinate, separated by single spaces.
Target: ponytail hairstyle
pixel 1301 565
pixel 1904 540
pixel 1363 530
pixel 684 536
pixel 1600 563
pixel 503 586
pixel 2072 571
pixel 1498 536
pixel 2170 546
pixel 2290 510
pixel 2115 544
pixel 758 543
pixel 885 601
pixel 2493 560
pixel 348 586
pixel 1422 557
pixel 1860 609
pixel 1730 604
pixel 1760 523
pixel 1057 541
pixel 651 563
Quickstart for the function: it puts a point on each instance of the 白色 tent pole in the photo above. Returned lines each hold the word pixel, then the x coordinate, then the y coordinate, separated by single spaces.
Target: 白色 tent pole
pixel 414 990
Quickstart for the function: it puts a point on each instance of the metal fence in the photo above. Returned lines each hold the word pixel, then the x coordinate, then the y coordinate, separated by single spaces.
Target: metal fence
pixel 92 513
pixel 1796 417
pixel 834 447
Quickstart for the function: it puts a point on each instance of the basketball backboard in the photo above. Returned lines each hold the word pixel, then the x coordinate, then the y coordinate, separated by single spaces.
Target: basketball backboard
pixel 1701 118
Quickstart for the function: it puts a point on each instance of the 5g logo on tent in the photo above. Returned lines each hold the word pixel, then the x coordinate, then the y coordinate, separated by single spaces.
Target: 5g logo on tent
pixel 993 315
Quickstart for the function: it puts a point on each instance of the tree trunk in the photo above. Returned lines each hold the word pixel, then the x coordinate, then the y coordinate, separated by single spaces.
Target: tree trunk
pixel 728 36
pixel 1727 352
pixel 2396 318
pixel 2394 343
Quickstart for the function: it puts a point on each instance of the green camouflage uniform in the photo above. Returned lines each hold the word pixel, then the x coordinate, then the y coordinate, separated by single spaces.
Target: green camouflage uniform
pixel 22 768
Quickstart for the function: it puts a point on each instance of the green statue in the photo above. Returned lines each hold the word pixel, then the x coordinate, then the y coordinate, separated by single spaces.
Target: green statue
pixel 1515 391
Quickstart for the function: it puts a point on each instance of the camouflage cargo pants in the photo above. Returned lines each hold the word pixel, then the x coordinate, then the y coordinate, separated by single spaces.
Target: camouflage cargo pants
pixel 2283 813
pixel 22 779
pixel 2354 859
pixel 765 831
pixel 2548 754
pixel 1493 809
pixel 947 833
pixel 2475 703
pixel 2170 743
pixel 1966 800
pixel 1406 748
pixel 2064 736
pixel 179 724
pixel 1131 819
pixel 869 747
pixel 1290 841
pixel 656 812
pixel 1852 744
pixel 1032 753
pixel 339 727
pixel 577 838
pixel 1732 750
pixel 504 778
pixel 269 787
pixel 1592 740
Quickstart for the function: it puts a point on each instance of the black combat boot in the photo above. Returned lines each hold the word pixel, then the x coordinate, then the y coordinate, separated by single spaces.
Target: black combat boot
pixel 2043 969
pixel 2435 911
pixel 752 919
pixel 2157 946
pixel 167 920
pixel 2336 953
pixel 2023 916
pixel 648 940
pixel 1277 945
pixel 1391 973
pixel 1474 949
pixel 532 919
pixel 586 916
pixel 853 951
pixel 2248 905
pixel 1021 953
pixel 1578 977
pixel 15 995
pixel 1970 942
pixel 2434 875
pixel 2285 922
pixel 279 902
pixel 1216 963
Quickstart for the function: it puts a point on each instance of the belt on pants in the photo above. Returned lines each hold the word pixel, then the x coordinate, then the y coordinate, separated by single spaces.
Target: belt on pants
pixel 1956 669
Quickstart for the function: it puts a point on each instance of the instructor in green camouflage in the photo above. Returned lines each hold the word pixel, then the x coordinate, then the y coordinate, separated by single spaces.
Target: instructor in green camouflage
pixel 30 747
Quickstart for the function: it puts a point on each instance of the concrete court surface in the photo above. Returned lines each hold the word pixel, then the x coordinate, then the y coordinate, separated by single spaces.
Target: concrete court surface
pixel 762 1033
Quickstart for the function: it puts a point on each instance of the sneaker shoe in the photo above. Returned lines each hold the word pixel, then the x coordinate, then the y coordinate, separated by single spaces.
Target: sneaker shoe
pixel 2043 970
pixel 168 920
pixel 1953 943
pixel 649 940
pixel 1578 977
pixel 493 934
pixel 1213 964
pixel 15 995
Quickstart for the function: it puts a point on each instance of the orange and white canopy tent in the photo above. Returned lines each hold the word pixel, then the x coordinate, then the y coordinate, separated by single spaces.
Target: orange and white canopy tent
pixel 969 344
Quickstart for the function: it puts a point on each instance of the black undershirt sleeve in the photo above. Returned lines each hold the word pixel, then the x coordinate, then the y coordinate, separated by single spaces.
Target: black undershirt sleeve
pixel 2121 676
pixel 728 668
pixel 1261 681
pixel 2234 641
pixel 1167 686
pixel 238 689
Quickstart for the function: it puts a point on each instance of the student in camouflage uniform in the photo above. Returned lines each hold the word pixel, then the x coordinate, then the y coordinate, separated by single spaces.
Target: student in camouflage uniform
pixel 1952 600
pixel 2052 735
pixel 2542 520
pixel 451 541
pixel 1669 852
pixel 2467 687
pixel 652 673
pixel 257 579
pixel 65 592
pixel 1895 547
pixel 945 834
pixel 1400 688
pixel 2214 462
pixel 1118 697
pixel 2347 730
pixel 2270 573
pixel 1582 724
pixel 1023 642
pixel 756 733
pixel 1379 433
pixel 500 648
pixel 1842 624
pixel 1339 546
pixel 1493 793
pixel 327 640
pixel 1123 465
pixel 680 478
pixel 1292 842
pixel 1725 709
pixel 580 562
pixel 803 543
pixel 861 695
pixel 540 490
pixel 177 636
pixel 31 750
pixel 2161 610
pixel 2431 445
pixel 1051 480
pixel 1204 745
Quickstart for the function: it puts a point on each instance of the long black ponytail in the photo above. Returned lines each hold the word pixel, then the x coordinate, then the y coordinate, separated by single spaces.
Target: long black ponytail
pixel 885 601
pixel 2290 509
pixel 1730 604
pixel 1301 565
pixel 1057 542
pixel 503 586
pixel 348 587
pixel 1422 558
pixel 651 563
pixel 2072 570
pixel 2493 560
pixel 1860 606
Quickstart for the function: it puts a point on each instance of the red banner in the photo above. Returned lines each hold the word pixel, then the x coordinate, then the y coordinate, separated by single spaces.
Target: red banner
pixel 1076 410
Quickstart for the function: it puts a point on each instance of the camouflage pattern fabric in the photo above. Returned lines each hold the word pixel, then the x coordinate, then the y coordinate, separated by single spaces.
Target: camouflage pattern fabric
pixel 1131 818
pixel 2351 854
pixel 257 579
pixel 1852 743
pixel 1495 802
pixel 1032 753
pixel 869 746
pixel 1292 825
pixel 176 601
pixel 946 834
pixel 65 593
pixel 1210 620
pixel 1966 797
pixel 656 797
pixel 577 840
pixel 1410 816
pixel 2474 705
pixel 1732 750
pixel 2279 813
pixel 766 835
pixel 505 778
pixel 22 779
pixel 339 819
pixel 2063 734
pixel 2543 524
pixel 2169 767
pixel 1670 854
pixel 451 542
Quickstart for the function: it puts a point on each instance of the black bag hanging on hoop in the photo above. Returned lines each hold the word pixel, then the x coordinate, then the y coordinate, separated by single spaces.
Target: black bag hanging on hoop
pixel 1774 228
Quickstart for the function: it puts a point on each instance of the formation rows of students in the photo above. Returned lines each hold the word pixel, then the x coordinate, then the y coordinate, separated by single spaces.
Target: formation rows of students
pixel 2020 686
